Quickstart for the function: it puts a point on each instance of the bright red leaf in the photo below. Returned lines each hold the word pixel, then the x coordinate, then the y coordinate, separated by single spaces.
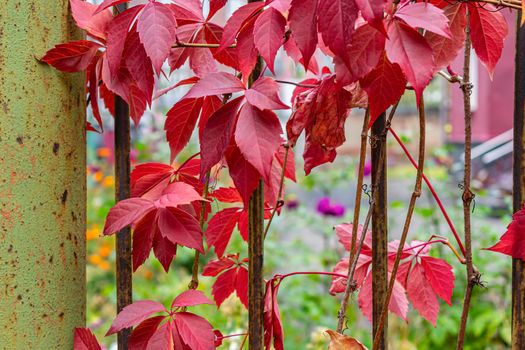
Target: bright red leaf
pixel 512 242
pixel 84 14
pixel 85 340
pixel 74 56
pixel 303 24
pixel 134 314
pixel 269 34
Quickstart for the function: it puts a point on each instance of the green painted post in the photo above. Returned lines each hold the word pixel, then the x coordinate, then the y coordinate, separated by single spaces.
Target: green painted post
pixel 42 181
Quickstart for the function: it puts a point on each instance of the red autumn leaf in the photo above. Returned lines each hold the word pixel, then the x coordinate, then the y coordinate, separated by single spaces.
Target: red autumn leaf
pixel 303 24
pixel 215 267
pixel 512 242
pixel 85 340
pixel 384 85
pixel 232 277
pixel 227 195
pixel 440 276
pixel 215 84
pixel 236 22
pixel 411 51
pixel 421 294
pixel 372 12
pixel 156 27
pixel 190 298
pixel 180 228
pixel 365 50
pixel 162 339
pixel 213 35
pixel 264 94
pixel 92 75
pixel 217 133
pixel 143 236
pixel 215 5
pixel 269 34
pixel 141 335
pixel 425 16
pixel 488 32
pixel 258 136
pixel 134 314
pixel 241 285
pixel 336 24
pixel 164 250
pixel 108 3
pixel 116 38
pixel 95 25
pixel 195 331
pixel 245 176
pixel 224 286
pixel 315 155
pixel 273 328
pixel 245 49
pixel 126 212
pixel 148 169
pixel 220 229
pixel 446 49
pixel 180 123
pixel 74 56
pixel 202 61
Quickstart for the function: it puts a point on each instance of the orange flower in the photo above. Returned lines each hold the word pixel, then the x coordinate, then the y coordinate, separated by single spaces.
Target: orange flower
pixel 103 152
pixel 108 181
pixel 105 250
pixel 104 265
pixel 93 232
pixel 98 176
pixel 95 259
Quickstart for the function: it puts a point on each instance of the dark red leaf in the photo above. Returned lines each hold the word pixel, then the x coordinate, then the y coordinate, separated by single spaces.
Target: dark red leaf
pixel 180 123
pixel 125 213
pixel 162 339
pixel 264 94
pixel 190 298
pixel 224 286
pixel 143 235
pixel 236 21
pixel 215 5
pixel 164 250
pixel 215 84
pixel 141 335
pixel 241 285
pixel 303 24
pixel 244 175
pixel 180 228
pixel 421 294
pixel 227 195
pixel 195 331
pixel 269 34
pixel 440 276
pixel 220 229
pixel 214 267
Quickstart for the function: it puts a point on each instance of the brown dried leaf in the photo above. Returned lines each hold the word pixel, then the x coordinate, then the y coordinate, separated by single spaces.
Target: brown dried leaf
pixel 343 342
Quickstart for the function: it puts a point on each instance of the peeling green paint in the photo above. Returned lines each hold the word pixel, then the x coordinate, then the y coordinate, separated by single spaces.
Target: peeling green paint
pixel 42 181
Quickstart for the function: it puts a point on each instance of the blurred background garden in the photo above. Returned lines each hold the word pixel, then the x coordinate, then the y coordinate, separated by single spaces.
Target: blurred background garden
pixel 302 237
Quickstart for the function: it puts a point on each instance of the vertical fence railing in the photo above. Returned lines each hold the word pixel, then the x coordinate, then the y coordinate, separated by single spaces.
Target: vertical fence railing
pixel 123 191
pixel 379 226
pixel 518 266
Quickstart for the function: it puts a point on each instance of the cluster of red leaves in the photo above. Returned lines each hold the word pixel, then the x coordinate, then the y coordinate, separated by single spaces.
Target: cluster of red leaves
pixel 422 277
pixel 232 277
pixel 174 329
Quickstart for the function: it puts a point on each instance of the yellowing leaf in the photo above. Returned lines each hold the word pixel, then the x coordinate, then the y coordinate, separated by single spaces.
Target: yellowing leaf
pixel 343 342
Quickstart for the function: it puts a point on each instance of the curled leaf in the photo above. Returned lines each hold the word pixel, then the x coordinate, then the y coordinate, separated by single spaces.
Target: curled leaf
pixel 343 342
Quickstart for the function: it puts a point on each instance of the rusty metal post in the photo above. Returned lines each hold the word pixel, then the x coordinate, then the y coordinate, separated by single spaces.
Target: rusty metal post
pixel 42 181
pixel 123 191
pixel 379 227
pixel 518 266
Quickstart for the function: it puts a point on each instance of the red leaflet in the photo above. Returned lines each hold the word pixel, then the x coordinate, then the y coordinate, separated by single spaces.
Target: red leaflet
pixel 220 229
pixel 215 5
pixel 258 136
pixel 227 195
pixel 126 212
pixel 74 56
pixel 215 84
pixel 213 35
pixel 162 338
pixel 440 276
pixel 303 24
pixel 116 38
pixel 264 94
pixel 488 31
pixel 384 85
pixel 336 24
pixel 244 175
pixel 411 51
pixel 195 331
pixel 512 242
pixel 156 27
pixel 180 123
pixel 421 295
pixel 273 328
pixel 85 340
pixel 372 12
pixel 190 298
pixel 134 314
pixel 108 3
pixel 246 50
pixel 232 277
pixel 236 22
pixel 425 16
pixel 447 49
pixel 95 25
pixel 315 155
pixel 269 34
pixel 366 49
pixel 145 176
pixel 217 133
pixel 142 334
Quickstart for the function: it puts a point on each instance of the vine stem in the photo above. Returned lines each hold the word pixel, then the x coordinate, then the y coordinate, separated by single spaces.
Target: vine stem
pixel 350 286
pixel 308 86
pixel 194 283
pixel 468 196
pixel 432 190
pixel 415 195
pixel 279 202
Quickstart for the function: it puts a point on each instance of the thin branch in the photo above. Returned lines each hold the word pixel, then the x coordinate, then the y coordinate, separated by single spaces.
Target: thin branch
pixel 308 86
pixel 415 195
pixel 279 202
pixel 350 286
pixel 180 44
pixel 501 3
pixel 194 283
pixel 432 190
pixel 472 273
pixel 451 78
